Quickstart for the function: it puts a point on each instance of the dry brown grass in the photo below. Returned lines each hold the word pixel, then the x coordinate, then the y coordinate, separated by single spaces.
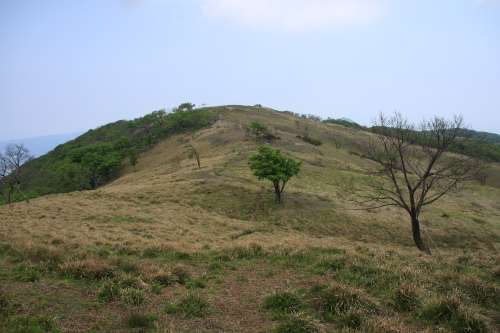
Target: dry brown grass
pixel 170 223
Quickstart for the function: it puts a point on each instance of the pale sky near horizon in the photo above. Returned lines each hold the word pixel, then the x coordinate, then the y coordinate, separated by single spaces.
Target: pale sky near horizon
pixel 74 65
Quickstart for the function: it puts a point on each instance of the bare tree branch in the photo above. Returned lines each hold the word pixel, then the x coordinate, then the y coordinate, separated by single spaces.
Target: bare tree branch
pixel 416 166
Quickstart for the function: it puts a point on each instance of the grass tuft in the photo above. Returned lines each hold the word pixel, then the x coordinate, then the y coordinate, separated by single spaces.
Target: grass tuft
pixel 39 253
pixel 248 251
pixel 133 296
pixel 481 292
pixel 108 291
pixel 385 325
pixel 27 272
pixel 441 309
pixel 458 316
pixel 339 299
pixel 160 276
pixel 406 296
pixel 139 320
pixel 299 323
pixel 181 274
pixel 283 301
pixel 88 269
pixel 191 305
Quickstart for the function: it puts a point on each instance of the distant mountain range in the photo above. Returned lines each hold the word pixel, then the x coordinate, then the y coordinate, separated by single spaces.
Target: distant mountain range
pixel 43 144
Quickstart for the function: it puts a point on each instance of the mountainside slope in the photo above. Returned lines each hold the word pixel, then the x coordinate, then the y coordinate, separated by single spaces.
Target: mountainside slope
pixel 217 233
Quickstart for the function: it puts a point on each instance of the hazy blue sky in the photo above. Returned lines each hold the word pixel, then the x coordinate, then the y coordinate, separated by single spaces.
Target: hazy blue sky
pixel 73 65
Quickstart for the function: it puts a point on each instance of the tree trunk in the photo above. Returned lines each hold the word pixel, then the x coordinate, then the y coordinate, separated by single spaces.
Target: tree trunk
pixel 415 226
pixel 21 193
pixel 277 189
pixel 4 197
pixel 11 192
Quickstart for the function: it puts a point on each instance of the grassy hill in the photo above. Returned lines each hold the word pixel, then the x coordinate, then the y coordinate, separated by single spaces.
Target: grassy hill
pixel 174 248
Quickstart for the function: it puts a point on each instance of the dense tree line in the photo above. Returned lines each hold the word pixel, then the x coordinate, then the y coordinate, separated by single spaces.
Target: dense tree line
pixel 96 156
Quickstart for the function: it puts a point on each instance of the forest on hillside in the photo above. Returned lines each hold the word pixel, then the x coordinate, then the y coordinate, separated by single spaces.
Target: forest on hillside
pixel 95 157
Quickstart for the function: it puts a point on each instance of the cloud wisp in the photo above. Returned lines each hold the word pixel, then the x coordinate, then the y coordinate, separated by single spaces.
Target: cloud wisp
pixel 294 15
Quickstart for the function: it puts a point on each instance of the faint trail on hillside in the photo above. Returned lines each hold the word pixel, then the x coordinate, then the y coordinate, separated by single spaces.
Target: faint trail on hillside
pixel 257 205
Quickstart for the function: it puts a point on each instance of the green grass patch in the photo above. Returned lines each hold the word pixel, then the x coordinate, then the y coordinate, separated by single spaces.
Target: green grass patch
pixel 29 324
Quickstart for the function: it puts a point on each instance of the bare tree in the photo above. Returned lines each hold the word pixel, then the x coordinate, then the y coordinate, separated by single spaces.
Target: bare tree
pixel 11 169
pixel 5 179
pixel 415 166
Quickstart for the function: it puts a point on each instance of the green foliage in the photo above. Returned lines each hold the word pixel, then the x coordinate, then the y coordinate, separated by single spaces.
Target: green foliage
pixel 345 123
pixel 258 129
pixel 271 165
pixel 95 157
pixel 185 107
pixel 133 156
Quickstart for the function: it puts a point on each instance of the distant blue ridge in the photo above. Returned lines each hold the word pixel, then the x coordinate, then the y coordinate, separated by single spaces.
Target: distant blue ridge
pixel 43 144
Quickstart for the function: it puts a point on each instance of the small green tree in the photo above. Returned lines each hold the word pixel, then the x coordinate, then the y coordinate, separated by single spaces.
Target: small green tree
pixel 270 164
pixel 185 107
pixel 258 129
pixel 133 156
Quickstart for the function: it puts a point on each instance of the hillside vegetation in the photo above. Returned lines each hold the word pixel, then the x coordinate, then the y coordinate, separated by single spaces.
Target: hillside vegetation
pixel 177 248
